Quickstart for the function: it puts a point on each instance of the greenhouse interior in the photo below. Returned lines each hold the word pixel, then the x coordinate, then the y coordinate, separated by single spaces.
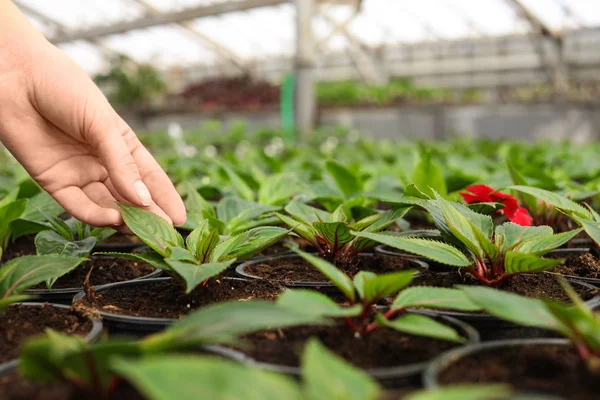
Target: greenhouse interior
pixel 299 199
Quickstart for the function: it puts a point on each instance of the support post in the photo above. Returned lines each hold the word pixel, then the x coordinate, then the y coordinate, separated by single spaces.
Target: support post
pixel 305 66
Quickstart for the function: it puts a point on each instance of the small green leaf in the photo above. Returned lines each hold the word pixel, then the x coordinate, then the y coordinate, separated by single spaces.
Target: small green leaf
pixel 256 240
pixel 193 275
pixel 318 304
pixel 206 245
pixel 302 229
pixel 461 227
pixel 517 263
pixel 196 235
pixel 336 276
pixel 196 205
pixel 239 184
pixel 512 307
pixel 101 234
pixel 179 254
pixel 277 189
pixel 515 234
pixel 412 190
pixel 335 234
pixel 327 377
pixel 434 297
pixel 345 180
pixel 541 245
pixel 168 377
pixel 554 199
pixel 592 228
pixel 21 273
pixel 305 213
pixel 50 242
pixel 338 215
pixel 437 251
pixel 373 288
pixel 151 229
pixel 421 325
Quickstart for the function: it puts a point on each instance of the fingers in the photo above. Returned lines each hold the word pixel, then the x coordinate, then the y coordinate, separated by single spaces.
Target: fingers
pixel 163 192
pixel 80 206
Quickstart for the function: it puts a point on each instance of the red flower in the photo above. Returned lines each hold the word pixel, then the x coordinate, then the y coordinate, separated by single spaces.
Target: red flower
pixel 486 194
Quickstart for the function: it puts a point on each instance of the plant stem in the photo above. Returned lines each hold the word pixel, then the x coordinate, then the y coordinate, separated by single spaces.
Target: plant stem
pixel 90 363
pixel 350 324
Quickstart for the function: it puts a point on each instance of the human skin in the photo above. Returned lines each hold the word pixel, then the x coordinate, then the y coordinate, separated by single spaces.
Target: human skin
pixel 60 127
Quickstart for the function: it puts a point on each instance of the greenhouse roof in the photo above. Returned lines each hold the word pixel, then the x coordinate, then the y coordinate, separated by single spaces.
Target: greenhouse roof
pixel 183 33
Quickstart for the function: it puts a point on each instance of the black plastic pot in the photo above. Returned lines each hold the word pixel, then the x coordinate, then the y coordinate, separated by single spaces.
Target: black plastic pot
pixel 326 286
pixel 570 252
pixel 9 366
pixel 433 265
pixel 133 324
pixel 434 369
pixel 65 295
pixel 494 328
pixel 390 377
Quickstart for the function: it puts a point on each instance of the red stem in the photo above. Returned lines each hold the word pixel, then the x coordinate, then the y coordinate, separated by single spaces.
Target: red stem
pixel 389 314
pixel 350 324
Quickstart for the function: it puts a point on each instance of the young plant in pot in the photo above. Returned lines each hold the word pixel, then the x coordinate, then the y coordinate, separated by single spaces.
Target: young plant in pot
pixel 82 370
pixel 20 321
pixel 570 367
pixel 500 256
pixel 391 342
pixel 195 267
pixel 331 235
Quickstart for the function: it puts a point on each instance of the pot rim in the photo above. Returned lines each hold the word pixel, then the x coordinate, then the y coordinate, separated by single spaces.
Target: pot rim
pixel 8 367
pixel 150 324
pixel 431 373
pixel 241 270
pixel 380 374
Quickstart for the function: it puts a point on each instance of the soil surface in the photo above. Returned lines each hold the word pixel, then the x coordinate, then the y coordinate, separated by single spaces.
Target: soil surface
pixel 106 270
pixel 18 323
pixel 555 370
pixel 15 387
pixel 166 299
pixel 585 265
pixel 23 246
pixel 538 285
pixel 383 348
pixel 296 269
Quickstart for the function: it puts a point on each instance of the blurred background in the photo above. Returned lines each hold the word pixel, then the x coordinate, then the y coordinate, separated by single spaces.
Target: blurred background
pixel 394 69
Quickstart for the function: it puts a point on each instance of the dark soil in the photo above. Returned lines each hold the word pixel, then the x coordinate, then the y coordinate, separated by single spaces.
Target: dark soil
pixel 277 248
pixel 538 285
pixel 296 269
pixel 23 246
pixel 106 270
pixel 120 238
pixel 555 370
pixel 383 348
pixel 584 265
pixel 14 387
pixel 18 323
pixel 166 299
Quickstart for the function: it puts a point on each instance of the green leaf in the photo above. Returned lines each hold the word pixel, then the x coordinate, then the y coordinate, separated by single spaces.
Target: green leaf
pixel 238 213
pixel 464 392
pixel 336 276
pixel 21 273
pixel 514 234
pixel 154 259
pixel 437 251
pixel 421 325
pixel 581 325
pixel 101 234
pixel 206 245
pixel 224 322
pixel 511 307
pixel 318 304
pixel 193 275
pixel 346 181
pixel 197 206
pixel 179 254
pixel 8 213
pixel 413 191
pixel 338 215
pixel 302 229
pixel 305 213
pixel 434 297
pixel 167 377
pixel 327 377
pixel 196 235
pixel 239 184
pixel 517 263
pixel 151 229
pixel 554 199
pixel 50 242
pixel 256 240
pixel 518 179
pixel 541 245
pixel 592 228
pixel 460 227
pixel 428 176
pixel 373 288
pixel 335 234
pixel 277 189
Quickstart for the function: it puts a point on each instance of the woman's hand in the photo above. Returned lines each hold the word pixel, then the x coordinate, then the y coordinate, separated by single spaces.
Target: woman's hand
pixel 61 128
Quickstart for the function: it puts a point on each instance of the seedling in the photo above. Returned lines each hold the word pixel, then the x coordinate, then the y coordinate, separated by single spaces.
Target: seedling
pixel 331 233
pixel 366 289
pixel 204 254
pixel 575 321
pixel 71 237
pixel 490 254
pixel 24 272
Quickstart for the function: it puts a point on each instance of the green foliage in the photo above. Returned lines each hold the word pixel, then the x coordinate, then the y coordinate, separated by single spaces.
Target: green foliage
pixel 465 392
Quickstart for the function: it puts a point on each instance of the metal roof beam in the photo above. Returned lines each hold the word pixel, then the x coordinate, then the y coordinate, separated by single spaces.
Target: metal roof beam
pixel 166 18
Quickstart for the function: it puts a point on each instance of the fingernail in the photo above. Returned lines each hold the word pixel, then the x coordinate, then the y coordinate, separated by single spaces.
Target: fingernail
pixel 143 193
